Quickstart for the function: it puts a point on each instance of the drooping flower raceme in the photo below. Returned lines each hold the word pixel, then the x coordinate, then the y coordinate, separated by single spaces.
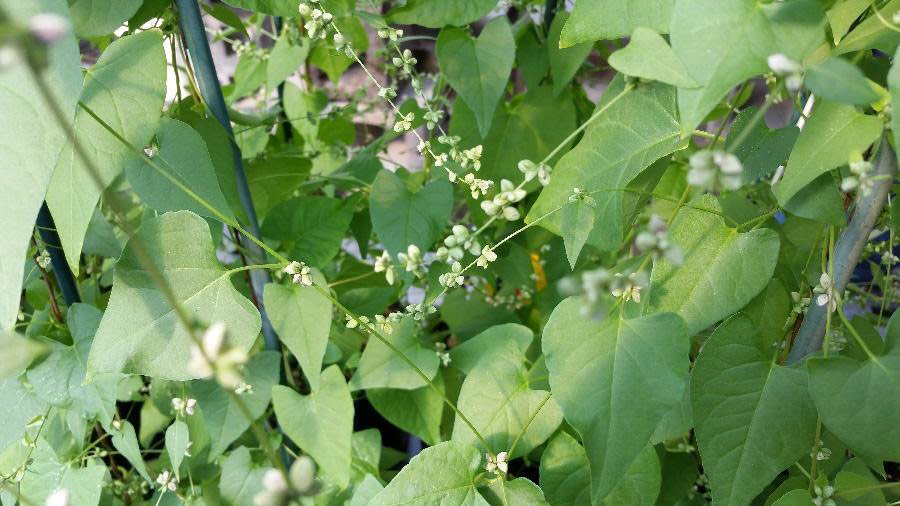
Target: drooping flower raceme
pixel 825 295
pixel 714 171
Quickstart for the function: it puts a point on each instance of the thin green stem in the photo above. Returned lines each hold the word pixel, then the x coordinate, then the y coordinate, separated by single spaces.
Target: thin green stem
pixel 512 447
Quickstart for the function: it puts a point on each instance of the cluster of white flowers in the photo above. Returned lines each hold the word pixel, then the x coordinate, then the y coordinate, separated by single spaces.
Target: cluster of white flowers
pixel 532 170
pixel 243 388
pixel 824 291
pixel 242 48
pixel 497 464
pixel 580 195
pixel 860 177
pixel 43 259
pixel 714 171
pixel 440 349
pixel 343 45
pixel 452 278
pixel 385 264
pixel 318 20
pixel 824 496
pixel 782 66
pixel 184 407
pixel 420 311
pixel 457 244
pixel 405 62
pixel 278 490
pixel 216 357
pixel 655 240
pixel 404 122
pixel 501 205
pixel 299 272
pixel 167 481
pixel 487 256
pixel 628 287
pixel 478 187
pixel 383 324
pixel 413 260
pixel 515 300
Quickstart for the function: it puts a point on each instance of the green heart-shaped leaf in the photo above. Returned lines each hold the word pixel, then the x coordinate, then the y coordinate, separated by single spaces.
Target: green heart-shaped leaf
pixel 649 56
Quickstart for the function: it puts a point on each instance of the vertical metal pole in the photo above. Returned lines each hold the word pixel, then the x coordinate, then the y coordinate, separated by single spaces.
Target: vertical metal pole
pixel 64 277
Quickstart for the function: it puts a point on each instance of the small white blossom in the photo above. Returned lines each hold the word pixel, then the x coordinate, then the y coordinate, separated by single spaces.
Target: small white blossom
pixel 117 424
pixel 452 278
pixel 58 498
pixel 714 171
pixel 655 240
pixel 387 93
pixel 184 406
pixel 352 322
pixel 214 356
pixel 390 33
pixel 497 463
pixel 579 195
pixel 477 186
pixel 48 27
pixel 420 311
pixel 779 173
pixel 487 256
pixel 432 118
pixel 405 62
pixel 823 496
pixel 472 156
pixel 531 170
pixel 383 324
pixel 413 259
pixel 300 272
pixel 780 64
pixel 440 349
pixel 273 481
pixel 167 481
pixel 403 122
pixel 385 264
pixel 861 177
pixel 43 259
pixel 628 287
pixel 825 292
pixel 243 388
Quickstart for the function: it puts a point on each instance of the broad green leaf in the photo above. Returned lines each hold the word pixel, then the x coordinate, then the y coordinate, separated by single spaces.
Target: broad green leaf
pixel 649 56
pixel 32 147
pixel 753 418
pixel 249 75
pixel 640 485
pixel 365 453
pixel 611 19
pixel 286 8
pixel 16 353
pixel 441 474
pixel 183 155
pixel 273 179
pixel 140 332
pixel 381 367
pixel 440 13
pixel 493 340
pixel 519 131
pixel 723 269
pixel 893 82
pixel 59 379
pixel 794 498
pixel 124 440
pixel 303 109
pixel 854 400
pixel 820 200
pixel 565 472
pixel 833 133
pixel 838 80
pixel 564 62
pixel 226 15
pixel 478 68
pixel 735 47
pixel 761 149
pixel 402 217
pixel 629 130
pixel 314 226
pixel 842 16
pixel 577 223
pixel 532 59
pixel 769 311
pixel 284 60
pixel 520 491
pixel 418 411
pixel 321 423
pixel 92 18
pixel 857 486
pixel 125 88
pixel 597 370
pixel 367 489
pixel 498 400
pixel 48 473
pixel 873 33
pixel 302 318
pixel 14 392
pixel 177 439
pixel 241 478
pixel 223 418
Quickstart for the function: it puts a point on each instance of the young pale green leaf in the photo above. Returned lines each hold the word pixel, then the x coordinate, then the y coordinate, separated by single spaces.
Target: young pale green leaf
pixel 629 130
pixel 496 398
pixel 838 80
pixel 274 178
pixel 381 367
pixel 565 472
pixel 140 332
pixel 126 89
pixel 853 400
pixel 124 440
pixel 577 223
pixel 820 200
pixel 59 379
pixel 611 19
pixel 418 411
pixel 441 474
pixel 303 109
pixel 564 62
pixel 873 32
pixel 735 47
pixel 401 217
pixel 478 68
pixel 798 497
pixel 302 317
pixel 223 418
pixel 321 423
pixel 723 269
pixel 49 472
pixel 762 149
pixel 183 155
pixel 520 491
pixel 365 454
pixel 367 489
pixel 16 353
pixel 315 225
pixel 753 418
pixel 842 16
pixel 833 133
pixel 465 356
pixel 33 147
pixel 649 56
pixel 440 13
pixel 519 131
pixel 13 392
pixel 285 59
pixel 611 363
pixel 93 18
pixel 177 440
pixel 241 478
